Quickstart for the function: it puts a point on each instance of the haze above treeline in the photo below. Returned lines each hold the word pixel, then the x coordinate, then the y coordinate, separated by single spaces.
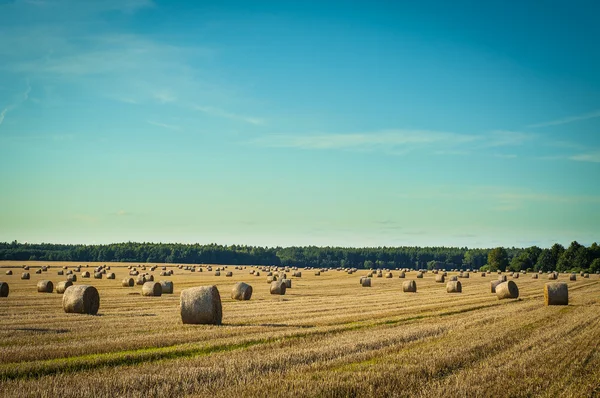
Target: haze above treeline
pixel 575 257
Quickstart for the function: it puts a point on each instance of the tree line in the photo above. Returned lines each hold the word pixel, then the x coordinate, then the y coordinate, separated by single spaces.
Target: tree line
pixel 576 257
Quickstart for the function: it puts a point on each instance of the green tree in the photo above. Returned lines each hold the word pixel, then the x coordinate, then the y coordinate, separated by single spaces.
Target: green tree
pixel 545 261
pixel 498 259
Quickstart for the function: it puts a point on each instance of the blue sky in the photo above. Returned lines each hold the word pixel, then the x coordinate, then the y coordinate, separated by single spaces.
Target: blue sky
pixel 293 123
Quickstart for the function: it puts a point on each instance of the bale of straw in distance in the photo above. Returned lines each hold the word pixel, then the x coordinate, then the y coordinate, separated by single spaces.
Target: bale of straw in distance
pixel 278 287
pixel 409 287
pixel 61 272
pixel 257 273
pixel 573 277
pixel 494 284
pixel 85 274
pixel 62 286
pixel 9 272
pixel 365 282
pixel 110 275
pixel 454 287
pixel 288 283
pixel 4 289
pixel 402 275
pixel 453 278
pixel 483 274
pixel 419 274
pixel 465 275
pixel 167 287
pixel 534 276
pixel 516 275
pixel 45 287
pixel 507 290
pixel 149 278
pixel 217 273
pixel 502 278
pixel 72 277
pixel 241 291
pixel 556 293
pixel 229 274
pixel 81 299
pixel 201 305
pixel 439 278
pixel 97 275
pixel 389 275
pixel 39 271
pixel 317 273
pixel 552 276
pixel 271 279
pixel 151 289
pixel 127 282
pixel 140 280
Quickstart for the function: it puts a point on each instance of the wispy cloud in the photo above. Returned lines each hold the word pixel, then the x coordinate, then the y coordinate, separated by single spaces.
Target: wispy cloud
pixel 164 125
pixel 593 157
pixel 228 115
pixel 568 119
pixel 16 103
pixel 165 97
pixel 501 138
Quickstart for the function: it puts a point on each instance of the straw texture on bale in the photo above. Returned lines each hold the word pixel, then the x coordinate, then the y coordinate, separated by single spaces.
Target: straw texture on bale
pixel 389 275
pixel 81 299
pixel 167 287
pixel 494 284
pixel 552 276
pixel 217 273
pixel 39 271
pixel 4 289
pixel 288 283
pixel 454 287
pixel 110 275
pixel 25 275
pixel 85 274
pixel 507 290
pixel 419 274
pixel 61 272
pixel 229 274
pixel 201 305
pixel 278 287
pixel 409 287
pixel 140 280
pixel 45 287
pixel 534 276
pixel 439 278
pixel 556 293
pixel 573 277
pixel 62 286
pixel 151 289
pixel 317 273
pixel 502 278
pixel 453 278
pixel 241 291
pixel 365 282
pixel 72 278
pixel 402 275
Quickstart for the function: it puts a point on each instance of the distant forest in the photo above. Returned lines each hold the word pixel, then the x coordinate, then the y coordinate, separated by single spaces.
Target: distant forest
pixel 558 258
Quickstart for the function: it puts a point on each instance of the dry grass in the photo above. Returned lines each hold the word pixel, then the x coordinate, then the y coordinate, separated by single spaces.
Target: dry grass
pixel 327 336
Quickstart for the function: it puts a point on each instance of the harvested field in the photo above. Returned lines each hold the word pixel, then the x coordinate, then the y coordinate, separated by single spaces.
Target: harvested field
pixel 327 336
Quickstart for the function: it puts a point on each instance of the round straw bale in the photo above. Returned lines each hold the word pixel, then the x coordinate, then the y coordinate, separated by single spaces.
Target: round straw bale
pixel 97 275
pixel 62 286
pixel 151 289
pixel 85 274
pixel 464 275
pixel 72 277
pixel 110 275
pixel 201 305
pixel 9 272
pixel 149 278
pixel 257 273
pixel 419 274
pixel 167 287
pixel 453 278
pixel 389 275
pixel 516 275
pixel 454 287
pixel 26 267
pixel 365 282
pixel 507 290
pixel 229 274
pixel 140 280
pixel 298 274
pixel 60 272
pixel 494 284
pixel 271 279
pixel 573 277
pixel 278 287
pixel 81 299
pixel 217 273
pixel 502 278
pixel 317 273
pixel 556 293
pixel 534 276
pixel 45 287
pixel 288 283
pixel 269 273
pixel 483 274
pixel 439 278
pixel 402 275
pixel 241 291
pixel 4 290
pixel 39 271
pixel 586 275
pixel 127 282
pixel 552 276
pixel 409 287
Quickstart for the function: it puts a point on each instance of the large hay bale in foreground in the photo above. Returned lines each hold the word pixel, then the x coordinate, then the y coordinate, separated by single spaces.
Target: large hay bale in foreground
pixel 556 293
pixel 62 286
pixel 81 299
pixel 409 287
pixel 241 291
pixel 151 289
pixel 4 289
pixel 454 287
pixel 201 305
pixel 365 282
pixel 439 278
pixel 45 287
pixel 507 290
pixel 127 282
pixel 167 287
pixel 278 287
pixel 494 285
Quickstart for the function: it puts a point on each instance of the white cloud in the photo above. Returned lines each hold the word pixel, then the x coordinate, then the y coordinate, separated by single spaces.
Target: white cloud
pixel 507 138
pixel 228 115
pixel 15 104
pixel 165 97
pixel 569 119
pixel 164 125
pixel 593 157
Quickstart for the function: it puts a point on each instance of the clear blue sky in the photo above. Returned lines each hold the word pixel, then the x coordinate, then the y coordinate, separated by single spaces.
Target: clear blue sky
pixel 277 123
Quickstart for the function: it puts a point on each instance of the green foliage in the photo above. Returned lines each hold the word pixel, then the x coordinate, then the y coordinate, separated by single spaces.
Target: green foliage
pixel 498 259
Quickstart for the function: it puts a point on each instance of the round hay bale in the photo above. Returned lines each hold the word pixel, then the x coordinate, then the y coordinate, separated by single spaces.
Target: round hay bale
pixel 507 290
pixel 269 273
pixel 270 279
pixel 45 287
pixel 586 275
pixel 151 289
pixel 85 274
pixel 229 274
pixel 454 287
pixel 201 305
pixel 167 287
pixel 257 273
pixel 128 282
pixel 288 283
pixel 483 274
pixel 81 299
pixel 556 293
pixel 534 276
pixel 97 275
pixel 409 287
pixel 465 275
pixel 241 291
pixel 140 280
pixel 402 275
pixel 453 278
pixel 317 273
pixel 389 275
pixel 72 278
pixel 278 287
pixel 573 277
pixel 39 271
pixel 62 286
pixel 552 276
pixel 9 272
pixel 494 284
pixel 516 275
pixel 439 278
pixel 163 273
pixel 4 289
pixel 149 278
pixel 26 267
pixel 419 274
pixel 365 282
pixel 217 273
pixel 298 274
pixel 60 272
pixel 110 275
pixel 502 278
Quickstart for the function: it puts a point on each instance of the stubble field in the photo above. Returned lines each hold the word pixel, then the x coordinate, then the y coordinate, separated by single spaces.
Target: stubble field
pixel 327 336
